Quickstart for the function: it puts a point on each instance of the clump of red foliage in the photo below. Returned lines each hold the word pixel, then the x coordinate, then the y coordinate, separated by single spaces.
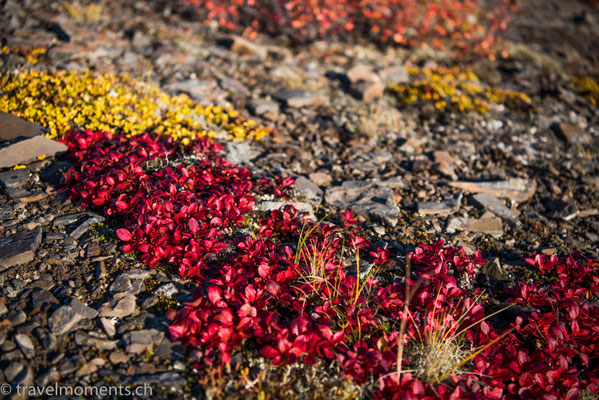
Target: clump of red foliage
pixel 463 25
pixel 304 303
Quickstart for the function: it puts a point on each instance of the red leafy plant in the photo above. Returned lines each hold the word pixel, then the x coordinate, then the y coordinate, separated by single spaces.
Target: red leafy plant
pixel 461 25
pixel 299 291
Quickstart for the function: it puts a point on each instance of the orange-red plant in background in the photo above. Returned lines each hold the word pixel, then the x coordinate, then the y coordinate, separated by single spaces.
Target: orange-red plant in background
pixel 463 25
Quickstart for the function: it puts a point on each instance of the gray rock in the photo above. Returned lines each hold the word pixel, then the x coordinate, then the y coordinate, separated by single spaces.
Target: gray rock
pixel 118 357
pixel 194 88
pixel 393 183
pixel 68 219
pixel 24 379
pixel 493 204
pixel 241 153
pixel 121 284
pixel 47 339
pixel 81 229
pixel 24 195
pixel 491 226
pixel 42 298
pixel 168 379
pixel 443 208
pixel 26 151
pixel 571 134
pixel 108 326
pixel 14 178
pixel 84 339
pixel 308 190
pixel 13 127
pixel 150 302
pixel 232 85
pixel 19 248
pixel 66 318
pixel 167 290
pixel 16 317
pixel 300 98
pixel 71 365
pixel 365 198
pixel 121 305
pixel 50 375
pixel 54 172
pixel 321 178
pixel 63 320
pixel 514 189
pixel 260 107
pixel 139 341
pixel 242 46
pixel 26 345
pixel 136 273
pixel 3 309
pixel 13 370
pixel 83 310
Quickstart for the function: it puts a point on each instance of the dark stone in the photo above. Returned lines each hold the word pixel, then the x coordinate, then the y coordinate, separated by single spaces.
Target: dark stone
pixel 19 248
pixel 54 172
pixel 15 178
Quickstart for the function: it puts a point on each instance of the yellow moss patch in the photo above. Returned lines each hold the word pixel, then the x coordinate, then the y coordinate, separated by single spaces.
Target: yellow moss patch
pixel 589 88
pixel 68 99
pixel 32 55
pixel 450 88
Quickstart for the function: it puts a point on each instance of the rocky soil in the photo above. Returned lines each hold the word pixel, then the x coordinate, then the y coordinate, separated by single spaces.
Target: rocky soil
pixel 75 309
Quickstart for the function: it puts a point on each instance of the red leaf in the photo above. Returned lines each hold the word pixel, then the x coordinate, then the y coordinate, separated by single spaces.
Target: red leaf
pixel 124 234
pixel 214 294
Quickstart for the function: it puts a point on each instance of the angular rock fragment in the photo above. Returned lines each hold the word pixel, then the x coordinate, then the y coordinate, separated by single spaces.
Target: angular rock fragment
pixel 15 178
pixel 19 248
pixel 518 190
pixel 300 98
pixel 63 320
pixel 571 134
pixel 121 305
pixel 24 196
pixel 443 208
pixel 28 150
pixel 310 191
pixel 493 204
pixel 262 107
pixel 139 341
pixel 26 345
pixel 491 226
pixel 13 127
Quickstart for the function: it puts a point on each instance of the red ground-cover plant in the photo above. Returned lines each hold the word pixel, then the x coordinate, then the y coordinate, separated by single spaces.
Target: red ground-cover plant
pixel 457 24
pixel 300 291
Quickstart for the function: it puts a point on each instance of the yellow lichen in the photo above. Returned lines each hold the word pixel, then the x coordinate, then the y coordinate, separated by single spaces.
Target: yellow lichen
pixel 451 88
pixel 589 88
pixel 66 100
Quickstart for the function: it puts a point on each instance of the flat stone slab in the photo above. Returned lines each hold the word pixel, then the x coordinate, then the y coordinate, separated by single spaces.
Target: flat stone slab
pixel 493 204
pixel 308 190
pixel 24 196
pixel 491 226
pixel 15 178
pixel 28 150
pixel 300 98
pixel 19 248
pixel 13 127
pixel 443 208
pixel 514 189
